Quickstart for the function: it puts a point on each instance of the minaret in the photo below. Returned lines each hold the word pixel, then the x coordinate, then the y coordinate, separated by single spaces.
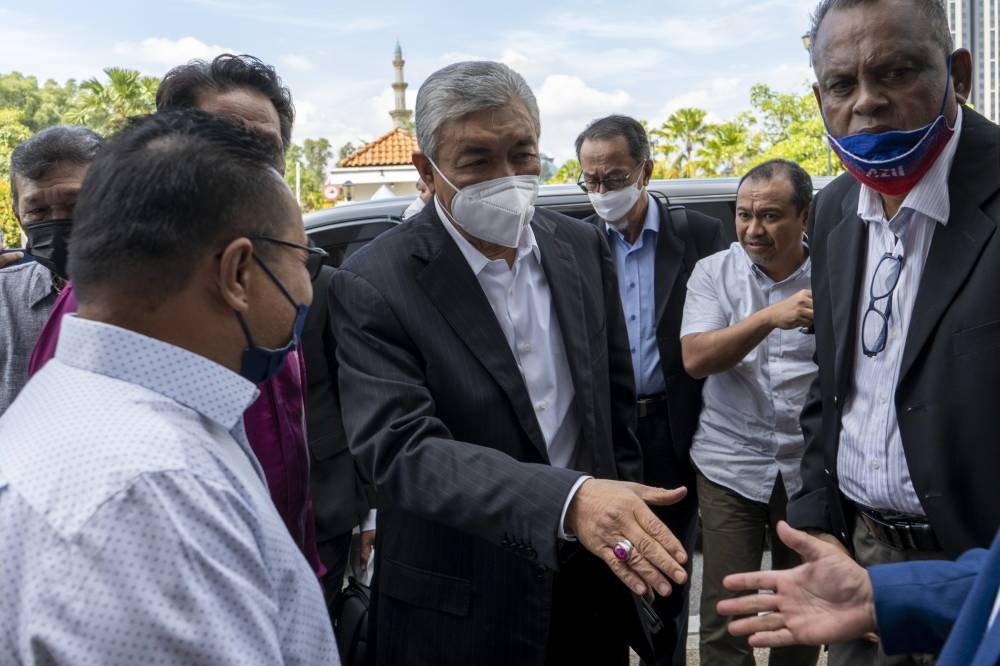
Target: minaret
pixel 401 115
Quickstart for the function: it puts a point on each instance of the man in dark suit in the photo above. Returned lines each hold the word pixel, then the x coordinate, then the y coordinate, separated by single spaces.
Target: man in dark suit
pixel 341 498
pixel 485 379
pixel 899 426
pixel 654 249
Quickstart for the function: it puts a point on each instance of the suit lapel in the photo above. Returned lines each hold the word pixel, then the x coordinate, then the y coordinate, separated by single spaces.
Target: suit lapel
pixel 456 293
pixel 955 247
pixel 846 247
pixel 669 259
pixel 563 276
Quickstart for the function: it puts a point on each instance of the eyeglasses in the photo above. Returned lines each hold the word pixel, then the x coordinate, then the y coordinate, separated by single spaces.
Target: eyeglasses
pixel 875 324
pixel 315 258
pixel 589 183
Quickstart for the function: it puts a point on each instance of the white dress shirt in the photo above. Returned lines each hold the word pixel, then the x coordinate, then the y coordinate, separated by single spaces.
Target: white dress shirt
pixel 871 464
pixel 748 431
pixel 522 302
pixel 135 525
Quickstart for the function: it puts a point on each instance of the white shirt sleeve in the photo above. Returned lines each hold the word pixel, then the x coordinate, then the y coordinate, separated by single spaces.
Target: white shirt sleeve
pixel 563 534
pixel 702 312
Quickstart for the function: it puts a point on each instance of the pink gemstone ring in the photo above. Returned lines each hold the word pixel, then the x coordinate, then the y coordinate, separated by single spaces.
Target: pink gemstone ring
pixel 623 550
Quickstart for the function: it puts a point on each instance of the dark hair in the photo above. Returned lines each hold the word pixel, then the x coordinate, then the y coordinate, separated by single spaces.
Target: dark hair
pixel 61 144
pixel 933 10
pixel 611 127
pixel 802 187
pixel 182 85
pixel 166 191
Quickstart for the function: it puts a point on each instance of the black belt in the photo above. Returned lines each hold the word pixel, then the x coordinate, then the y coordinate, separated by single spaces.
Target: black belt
pixel 648 405
pixel 898 530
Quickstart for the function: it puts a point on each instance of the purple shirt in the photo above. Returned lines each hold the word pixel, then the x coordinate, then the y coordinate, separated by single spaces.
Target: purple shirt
pixel 274 423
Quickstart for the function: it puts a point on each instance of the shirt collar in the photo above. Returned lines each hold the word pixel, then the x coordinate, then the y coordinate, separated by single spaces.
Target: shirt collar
pixel 40 285
pixel 477 260
pixel 650 223
pixel 929 196
pixel 190 379
pixel 762 277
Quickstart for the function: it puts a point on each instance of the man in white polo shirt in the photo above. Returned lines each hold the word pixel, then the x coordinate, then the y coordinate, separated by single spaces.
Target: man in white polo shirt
pixel 744 320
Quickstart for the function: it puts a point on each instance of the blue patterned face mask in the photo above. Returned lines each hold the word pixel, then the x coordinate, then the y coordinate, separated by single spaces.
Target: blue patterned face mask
pixel 261 363
pixel 894 162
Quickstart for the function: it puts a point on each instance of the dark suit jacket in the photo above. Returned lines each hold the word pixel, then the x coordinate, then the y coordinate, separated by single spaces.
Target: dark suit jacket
pixel 437 414
pixel 924 606
pixel 341 498
pixel 949 384
pixel 674 252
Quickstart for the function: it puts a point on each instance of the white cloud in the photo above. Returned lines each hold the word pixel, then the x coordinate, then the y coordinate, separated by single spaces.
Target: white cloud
pixel 165 53
pixel 561 95
pixel 298 62
pixel 567 104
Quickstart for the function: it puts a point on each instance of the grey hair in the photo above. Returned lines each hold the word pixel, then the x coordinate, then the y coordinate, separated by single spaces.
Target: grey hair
pixel 611 127
pixel 463 88
pixel 61 144
pixel 933 10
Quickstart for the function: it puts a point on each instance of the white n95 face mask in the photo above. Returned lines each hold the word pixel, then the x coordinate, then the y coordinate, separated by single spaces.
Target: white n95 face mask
pixel 495 211
pixel 613 206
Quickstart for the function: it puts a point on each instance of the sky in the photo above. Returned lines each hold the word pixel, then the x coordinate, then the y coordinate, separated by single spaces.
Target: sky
pixel 582 59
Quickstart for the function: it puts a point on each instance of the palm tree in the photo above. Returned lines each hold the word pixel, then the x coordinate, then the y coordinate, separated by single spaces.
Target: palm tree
pixel 106 107
pixel 683 131
pixel 725 148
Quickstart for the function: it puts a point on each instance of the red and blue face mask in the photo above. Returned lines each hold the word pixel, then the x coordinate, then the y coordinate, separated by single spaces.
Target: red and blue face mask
pixel 894 162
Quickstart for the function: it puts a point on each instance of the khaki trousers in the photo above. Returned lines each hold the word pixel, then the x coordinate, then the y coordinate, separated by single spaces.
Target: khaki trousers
pixel 734 532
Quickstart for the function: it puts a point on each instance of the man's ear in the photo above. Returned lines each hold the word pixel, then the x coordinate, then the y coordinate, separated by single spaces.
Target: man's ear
pixel 961 74
pixel 425 169
pixel 234 275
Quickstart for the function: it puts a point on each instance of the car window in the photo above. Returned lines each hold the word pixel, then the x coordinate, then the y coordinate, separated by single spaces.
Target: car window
pixel 722 210
pixel 344 239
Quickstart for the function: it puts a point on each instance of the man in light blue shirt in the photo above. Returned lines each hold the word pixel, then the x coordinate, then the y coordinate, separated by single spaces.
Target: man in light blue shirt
pixel 654 248
pixel 134 518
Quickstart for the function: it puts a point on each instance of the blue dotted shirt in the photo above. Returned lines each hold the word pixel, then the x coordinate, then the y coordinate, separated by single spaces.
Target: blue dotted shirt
pixel 135 526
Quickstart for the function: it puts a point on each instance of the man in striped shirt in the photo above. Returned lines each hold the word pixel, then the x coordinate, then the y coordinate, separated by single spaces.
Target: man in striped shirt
pixel 901 458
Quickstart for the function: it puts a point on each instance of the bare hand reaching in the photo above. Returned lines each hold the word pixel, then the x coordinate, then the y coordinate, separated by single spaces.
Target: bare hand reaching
pixel 827 599
pixel 8 258
pixel 605 512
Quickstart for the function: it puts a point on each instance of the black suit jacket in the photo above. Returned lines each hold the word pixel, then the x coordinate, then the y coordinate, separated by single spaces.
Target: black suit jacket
pixel 341 497
pixel 949 384
pixel 437 414
pixel 676 254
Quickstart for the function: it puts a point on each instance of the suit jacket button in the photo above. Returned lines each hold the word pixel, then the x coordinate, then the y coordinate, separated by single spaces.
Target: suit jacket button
pixel 539 572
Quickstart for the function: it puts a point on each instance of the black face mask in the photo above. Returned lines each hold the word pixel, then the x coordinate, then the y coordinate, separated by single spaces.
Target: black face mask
pixel 48 243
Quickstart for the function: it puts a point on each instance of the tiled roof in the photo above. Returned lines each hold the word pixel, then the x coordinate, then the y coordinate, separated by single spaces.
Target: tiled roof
pixel 393 148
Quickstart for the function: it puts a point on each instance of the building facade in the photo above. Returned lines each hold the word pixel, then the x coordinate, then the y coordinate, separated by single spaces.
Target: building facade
pixel 975 25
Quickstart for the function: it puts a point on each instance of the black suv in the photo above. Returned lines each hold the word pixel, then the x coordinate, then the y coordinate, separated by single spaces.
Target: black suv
pixel 344 229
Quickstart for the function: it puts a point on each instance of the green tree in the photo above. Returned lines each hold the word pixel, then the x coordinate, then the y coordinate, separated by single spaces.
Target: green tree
pixel 10 232
pixel 727 148
pixel 105 107
pixel 12 132
pixel 568 172
pixel 679 139
pixel 312 157
pixel 792 129
pixel 39 107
